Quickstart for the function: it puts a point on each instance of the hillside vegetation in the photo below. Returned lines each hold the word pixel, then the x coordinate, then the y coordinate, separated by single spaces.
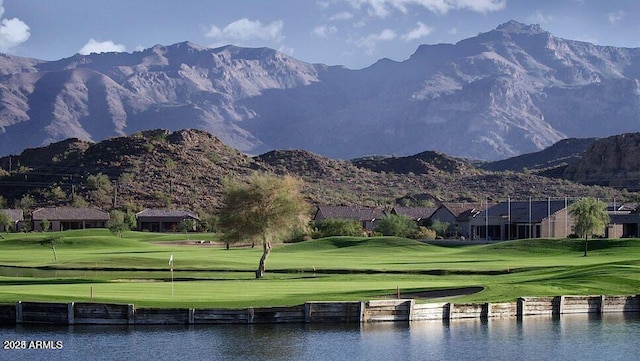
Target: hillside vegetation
pixel 186 169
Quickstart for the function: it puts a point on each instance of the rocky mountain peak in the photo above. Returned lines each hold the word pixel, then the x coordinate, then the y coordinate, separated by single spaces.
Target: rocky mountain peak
pixel 513 26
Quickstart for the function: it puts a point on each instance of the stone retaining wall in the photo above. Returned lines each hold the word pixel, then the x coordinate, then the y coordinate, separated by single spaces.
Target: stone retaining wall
pixel 394 310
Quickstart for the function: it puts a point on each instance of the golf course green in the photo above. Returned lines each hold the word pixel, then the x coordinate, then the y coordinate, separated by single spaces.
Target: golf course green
pixel 94 265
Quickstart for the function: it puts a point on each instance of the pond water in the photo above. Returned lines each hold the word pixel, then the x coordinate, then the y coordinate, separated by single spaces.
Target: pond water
pixel 570 337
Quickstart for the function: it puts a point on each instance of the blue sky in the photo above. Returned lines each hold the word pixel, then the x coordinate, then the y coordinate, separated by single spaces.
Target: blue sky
pixel 354 33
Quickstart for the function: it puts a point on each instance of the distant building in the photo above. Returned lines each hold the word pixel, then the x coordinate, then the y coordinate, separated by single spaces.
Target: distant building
pixel 624 221
pixel 523 219
pixel 65 218
pixel 163 220
pixel 458 216
pixel 15 215
pixel 367 217
pixel 421 215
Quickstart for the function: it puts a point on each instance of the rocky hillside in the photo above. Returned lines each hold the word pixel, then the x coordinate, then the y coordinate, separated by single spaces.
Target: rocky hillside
pixel 187 169
pixel 559 155
pixel 511 90
pixel 612 162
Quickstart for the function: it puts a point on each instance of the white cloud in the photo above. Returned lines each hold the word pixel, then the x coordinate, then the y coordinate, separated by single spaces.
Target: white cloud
pixel 245 29
pixel 13 32
pixel 383 8
pixel 420 31
pixel 539 18
pixel 615 17
pixel 108 46
pixel 371 41
pixel 324 31
pixel 344 15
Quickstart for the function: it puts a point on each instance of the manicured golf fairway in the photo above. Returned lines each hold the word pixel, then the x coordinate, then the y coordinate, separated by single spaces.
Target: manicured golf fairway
pixel 136 270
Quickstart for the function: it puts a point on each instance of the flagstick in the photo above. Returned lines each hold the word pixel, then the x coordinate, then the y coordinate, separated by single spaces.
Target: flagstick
pixel 171 266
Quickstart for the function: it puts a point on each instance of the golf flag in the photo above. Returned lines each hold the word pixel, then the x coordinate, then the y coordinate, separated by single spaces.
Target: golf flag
pixel 171 262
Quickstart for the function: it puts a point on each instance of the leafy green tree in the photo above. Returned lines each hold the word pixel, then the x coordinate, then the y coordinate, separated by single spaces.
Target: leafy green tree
pixel 590 216
pixel 3 202
pixel 79 202
pixel 26 202
pixel 131 220
pixel 45 224
pixel 397 225
pixel 440 227
pixel 118 223
pixel 187 225
pixel 338 227
pixel 5 222
pixel 57 194
pixel 266 210
pixel 207 222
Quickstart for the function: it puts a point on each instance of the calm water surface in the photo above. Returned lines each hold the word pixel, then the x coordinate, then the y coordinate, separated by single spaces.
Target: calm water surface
pixel 579 337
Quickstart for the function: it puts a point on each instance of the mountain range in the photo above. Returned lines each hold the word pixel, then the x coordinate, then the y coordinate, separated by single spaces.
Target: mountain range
pixel 512 90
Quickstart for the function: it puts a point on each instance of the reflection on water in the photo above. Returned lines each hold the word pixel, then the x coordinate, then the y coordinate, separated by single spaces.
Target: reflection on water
pixel 575 337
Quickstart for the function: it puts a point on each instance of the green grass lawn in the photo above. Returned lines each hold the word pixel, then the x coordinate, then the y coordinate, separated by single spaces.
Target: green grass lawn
pixel 135 269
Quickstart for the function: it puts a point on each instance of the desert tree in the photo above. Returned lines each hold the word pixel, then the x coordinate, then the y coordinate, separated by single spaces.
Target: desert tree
pixel 266 210
pixel 100 189
pixel 51 242
pixel 590 216
pixel 118 223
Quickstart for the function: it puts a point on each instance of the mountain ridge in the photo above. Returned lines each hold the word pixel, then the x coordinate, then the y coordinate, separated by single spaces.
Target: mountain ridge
pixel 188 168
pixel 508 91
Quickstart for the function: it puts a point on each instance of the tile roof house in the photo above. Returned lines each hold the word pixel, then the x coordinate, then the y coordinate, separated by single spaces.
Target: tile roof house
pixel 163 220
pixel 15 216
pixel 64 218
pixel 458 215
pixel 419 214
pixel 523 219
pixel 368 217
pixel 624 221
pixel 623 225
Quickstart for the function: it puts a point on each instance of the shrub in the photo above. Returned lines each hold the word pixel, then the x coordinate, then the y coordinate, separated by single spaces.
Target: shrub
pixel 426 233
pixel 337 227
pixel 397 225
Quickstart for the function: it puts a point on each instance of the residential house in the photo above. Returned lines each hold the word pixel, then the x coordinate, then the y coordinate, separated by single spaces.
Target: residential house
pixel 368 217
pixel 523 219
pixel 15 216
pixel 458 216
pixel 624 221
pixel 65 218
pixel 163 220
pixel 421 215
